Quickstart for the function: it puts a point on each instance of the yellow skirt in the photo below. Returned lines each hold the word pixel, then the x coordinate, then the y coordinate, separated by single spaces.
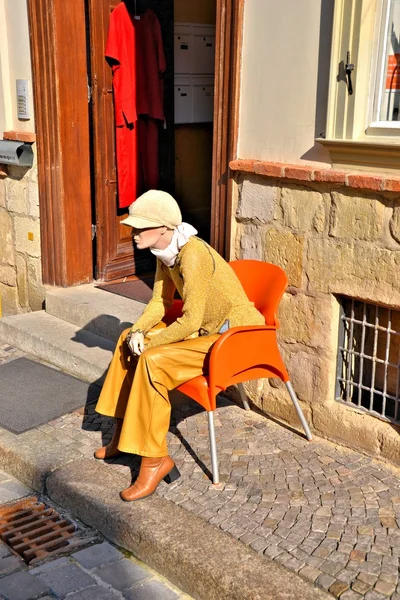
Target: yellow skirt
pixel 136 389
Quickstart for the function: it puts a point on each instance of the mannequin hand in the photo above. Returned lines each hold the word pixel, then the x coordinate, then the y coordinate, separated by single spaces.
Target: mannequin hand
pixel 135 341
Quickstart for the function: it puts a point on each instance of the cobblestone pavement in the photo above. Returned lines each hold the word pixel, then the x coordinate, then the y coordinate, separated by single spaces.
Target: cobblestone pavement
pixel 98 572
pixel 330 514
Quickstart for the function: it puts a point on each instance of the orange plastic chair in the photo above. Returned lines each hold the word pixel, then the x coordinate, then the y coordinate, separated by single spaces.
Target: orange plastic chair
pixel 244 353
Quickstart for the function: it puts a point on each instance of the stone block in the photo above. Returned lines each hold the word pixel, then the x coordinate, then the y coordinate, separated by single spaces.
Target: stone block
pixel 8 275
pixel 391 184
pixel 354 269
pixel 250 242
pixel 9 300
pixel 277 403
pixel 9 564
pixel 33 172
pixel 312 376
pixel 22 280
pixel 303 210
pixel 385 587
pixel 330 176
pixel 300 173
pixel 36 290
pixel 6 238
pixel 389 439
pixel 352 427
pixel 97 555
pixel 2 193
pixel 33 199
pixel 49 566
pixel 16 196
pixel 122 574
pixel 286 250
pixel 365 182
pixel 66 579
pixel 244 166
pixel 257 200
pixel 309 320
pixel 386 239
pixel 269 169
pixel 95 593
pixel 4 550
pixel 27 236
pixel 394 224
pixel 356 217
pixel 22 586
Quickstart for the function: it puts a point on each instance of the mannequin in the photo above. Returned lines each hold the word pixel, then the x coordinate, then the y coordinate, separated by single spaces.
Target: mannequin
pixel 153 357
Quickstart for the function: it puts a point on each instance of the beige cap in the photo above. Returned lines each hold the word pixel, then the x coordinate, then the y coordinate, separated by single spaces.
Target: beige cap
pixel 154 209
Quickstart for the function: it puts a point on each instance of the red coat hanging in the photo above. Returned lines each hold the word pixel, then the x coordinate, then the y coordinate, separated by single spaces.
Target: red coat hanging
pixel 135 52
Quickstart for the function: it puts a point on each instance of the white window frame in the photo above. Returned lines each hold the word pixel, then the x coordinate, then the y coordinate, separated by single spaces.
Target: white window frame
pixel 354 137
pixel 377 127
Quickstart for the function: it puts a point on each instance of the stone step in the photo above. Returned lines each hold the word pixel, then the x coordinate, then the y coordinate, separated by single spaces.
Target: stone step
pixel 69 347
pixel 96 310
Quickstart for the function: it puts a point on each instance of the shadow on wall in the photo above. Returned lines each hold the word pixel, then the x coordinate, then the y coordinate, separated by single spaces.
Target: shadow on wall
pixel 324 58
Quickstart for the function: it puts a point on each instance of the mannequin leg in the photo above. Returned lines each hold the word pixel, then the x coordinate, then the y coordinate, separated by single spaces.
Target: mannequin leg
pixel 147 413
pixel 148 409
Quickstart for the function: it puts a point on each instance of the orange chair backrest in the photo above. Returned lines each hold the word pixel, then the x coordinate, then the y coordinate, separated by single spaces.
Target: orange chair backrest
pixel 264 284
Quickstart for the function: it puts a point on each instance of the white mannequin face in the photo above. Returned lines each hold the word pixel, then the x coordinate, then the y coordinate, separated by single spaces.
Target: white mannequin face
pixel 152 237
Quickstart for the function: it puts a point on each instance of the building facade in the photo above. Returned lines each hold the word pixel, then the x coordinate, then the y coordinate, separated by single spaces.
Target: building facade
pixel 311 99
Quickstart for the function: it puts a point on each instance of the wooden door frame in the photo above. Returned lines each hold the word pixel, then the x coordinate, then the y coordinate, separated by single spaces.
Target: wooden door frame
pixel 229 44
pixel 62 129
pixel 62 133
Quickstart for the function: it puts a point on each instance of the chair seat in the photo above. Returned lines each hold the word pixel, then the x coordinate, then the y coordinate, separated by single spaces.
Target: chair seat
pixel 197 389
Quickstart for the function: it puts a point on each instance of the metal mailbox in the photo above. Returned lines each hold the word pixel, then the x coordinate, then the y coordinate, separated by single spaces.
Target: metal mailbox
pixel 16 153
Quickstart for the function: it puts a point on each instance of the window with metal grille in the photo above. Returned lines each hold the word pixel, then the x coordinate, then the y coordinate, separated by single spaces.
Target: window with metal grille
pixel 368 371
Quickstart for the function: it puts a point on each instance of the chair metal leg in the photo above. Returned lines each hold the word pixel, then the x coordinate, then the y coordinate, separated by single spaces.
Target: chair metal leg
pixel 243 397
pixel 213 447
pixel 300 413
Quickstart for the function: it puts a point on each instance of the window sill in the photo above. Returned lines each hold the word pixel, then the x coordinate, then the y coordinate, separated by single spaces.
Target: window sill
pixel 306 173
pixel 365 155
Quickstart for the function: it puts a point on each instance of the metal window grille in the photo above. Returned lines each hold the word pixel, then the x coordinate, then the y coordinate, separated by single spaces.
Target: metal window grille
pixel 368 371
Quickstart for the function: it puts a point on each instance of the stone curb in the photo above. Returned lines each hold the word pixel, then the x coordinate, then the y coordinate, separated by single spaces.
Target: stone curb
pixel 32 456
pixel 194 555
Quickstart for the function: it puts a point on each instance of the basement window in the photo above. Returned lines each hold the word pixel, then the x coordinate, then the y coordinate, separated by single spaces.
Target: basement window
pixel 368 371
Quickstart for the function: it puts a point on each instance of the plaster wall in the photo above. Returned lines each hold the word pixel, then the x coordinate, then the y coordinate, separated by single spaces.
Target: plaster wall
pixel 21 286
pixel 331 241
pixel 285 71
pixel 15 63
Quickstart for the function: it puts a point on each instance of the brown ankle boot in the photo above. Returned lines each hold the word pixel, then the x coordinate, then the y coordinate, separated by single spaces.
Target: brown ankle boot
pixel 152 471
pixel 111 450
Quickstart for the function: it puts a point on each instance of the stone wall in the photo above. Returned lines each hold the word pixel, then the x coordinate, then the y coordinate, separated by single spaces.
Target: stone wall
pixel 331 240
pixel 21 287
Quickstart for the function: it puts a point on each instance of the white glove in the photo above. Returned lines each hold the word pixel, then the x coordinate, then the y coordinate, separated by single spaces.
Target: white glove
pixel 135 340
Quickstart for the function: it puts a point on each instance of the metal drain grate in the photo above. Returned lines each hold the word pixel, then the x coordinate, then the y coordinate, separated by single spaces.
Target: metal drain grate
pixel 36 531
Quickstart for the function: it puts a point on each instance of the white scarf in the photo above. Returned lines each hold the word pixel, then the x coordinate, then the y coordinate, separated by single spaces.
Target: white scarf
pixel 181 235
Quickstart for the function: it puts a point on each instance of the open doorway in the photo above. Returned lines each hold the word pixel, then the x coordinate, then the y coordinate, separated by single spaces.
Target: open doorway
pixel 194 74
pixel 185 140
pixel 67 181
